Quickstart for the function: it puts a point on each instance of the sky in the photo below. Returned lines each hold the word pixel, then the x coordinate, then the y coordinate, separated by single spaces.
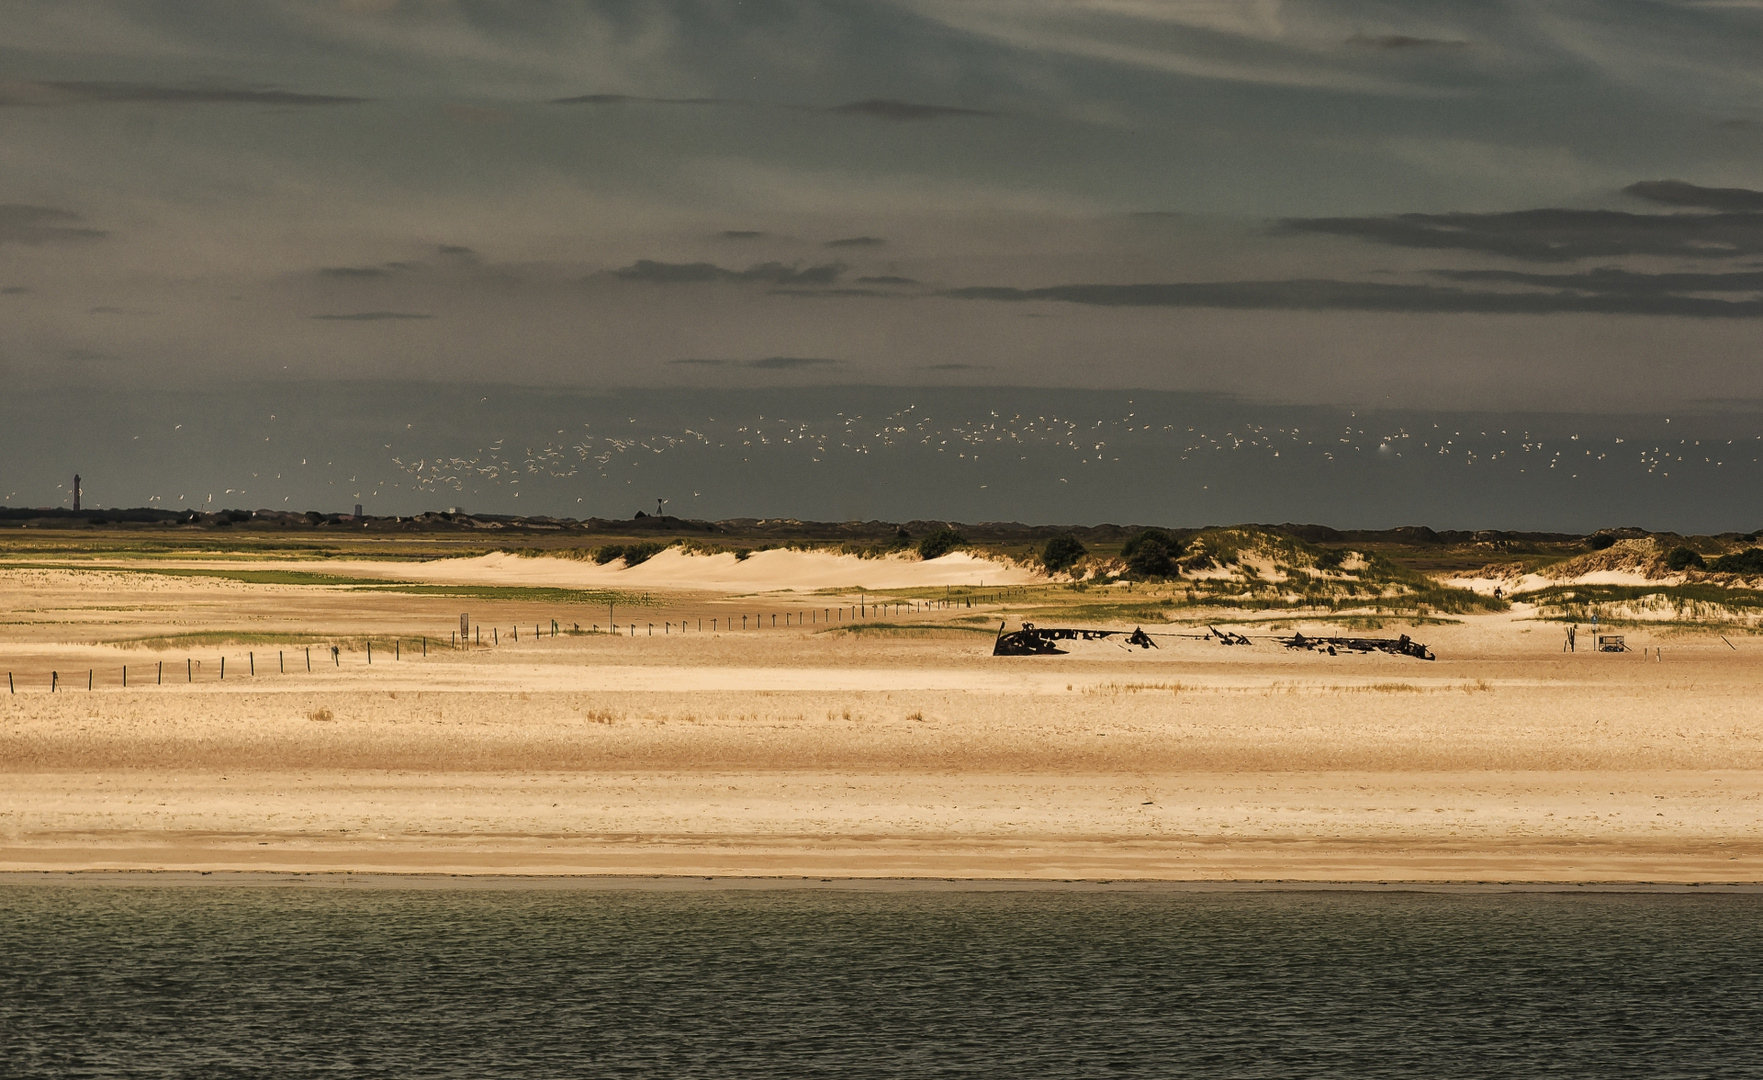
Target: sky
pixel 423 233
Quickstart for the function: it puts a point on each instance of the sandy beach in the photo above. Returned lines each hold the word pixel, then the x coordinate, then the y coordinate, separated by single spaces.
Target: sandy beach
pixel 880 746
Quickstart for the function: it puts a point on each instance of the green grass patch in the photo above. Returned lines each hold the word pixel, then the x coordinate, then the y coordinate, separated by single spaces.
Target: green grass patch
pixel 249 577
pixel 515 593
pixel 910 630
pixel 214 638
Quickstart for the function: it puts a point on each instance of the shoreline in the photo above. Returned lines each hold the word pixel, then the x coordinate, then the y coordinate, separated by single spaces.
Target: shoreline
pixel 488 882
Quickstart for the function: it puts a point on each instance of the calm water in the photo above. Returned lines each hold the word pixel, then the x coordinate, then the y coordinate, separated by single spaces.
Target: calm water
pixel 224 982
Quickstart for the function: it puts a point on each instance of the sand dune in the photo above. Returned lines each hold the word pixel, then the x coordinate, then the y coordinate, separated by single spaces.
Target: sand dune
pixel 776 570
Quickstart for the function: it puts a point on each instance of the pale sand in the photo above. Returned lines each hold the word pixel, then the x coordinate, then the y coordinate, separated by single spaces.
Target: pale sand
pixel 777 570
pixel 794 753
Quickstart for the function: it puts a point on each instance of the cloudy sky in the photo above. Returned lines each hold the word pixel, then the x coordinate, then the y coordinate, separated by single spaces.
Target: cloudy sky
pixel 1542 216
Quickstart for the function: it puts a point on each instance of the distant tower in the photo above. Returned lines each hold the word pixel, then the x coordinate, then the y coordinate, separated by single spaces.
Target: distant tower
pixel 76 491
pixel 357 511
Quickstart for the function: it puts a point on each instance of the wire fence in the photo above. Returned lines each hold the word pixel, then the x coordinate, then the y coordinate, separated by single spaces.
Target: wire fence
pixel 315 659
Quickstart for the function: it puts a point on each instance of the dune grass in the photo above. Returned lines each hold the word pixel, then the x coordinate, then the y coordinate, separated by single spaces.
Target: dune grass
pixel 910 629
pixel 195 639
pixel 1690 606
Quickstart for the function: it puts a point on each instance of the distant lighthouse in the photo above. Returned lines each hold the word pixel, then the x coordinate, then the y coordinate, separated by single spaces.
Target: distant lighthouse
pixel 76 491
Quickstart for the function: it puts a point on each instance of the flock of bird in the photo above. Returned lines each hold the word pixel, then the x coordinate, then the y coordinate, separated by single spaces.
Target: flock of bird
pixel 993 446
pixel 1051 439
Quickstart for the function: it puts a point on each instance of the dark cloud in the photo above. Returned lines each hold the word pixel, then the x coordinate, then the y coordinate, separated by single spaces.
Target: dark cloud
pixel 887 279
pixel 1682 193
pixel 372 316
pixel 1403 41
pixel 1325 295
pixel 741 234
pixel 769 363
pixel 856 241
pixel 1626 282
pixel 773 273
pixel 32 225
pixel 789 363
pixel 888 109
pixel 14 290
pixel 20 92
pixel 954 367
pixel 1554 235
pixel 632 99
pixel 456 251
pixel 352 272
pixel 828 294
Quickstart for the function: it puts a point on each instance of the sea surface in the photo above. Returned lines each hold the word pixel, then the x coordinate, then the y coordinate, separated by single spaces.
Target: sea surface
pixel 99 981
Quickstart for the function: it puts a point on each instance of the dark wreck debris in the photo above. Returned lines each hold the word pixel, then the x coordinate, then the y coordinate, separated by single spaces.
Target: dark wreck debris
pixel 1034 640
pixel 1402 646
pixel 1226 637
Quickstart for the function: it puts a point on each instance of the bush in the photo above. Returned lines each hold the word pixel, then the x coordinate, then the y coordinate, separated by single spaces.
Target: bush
pixel 940 543
pixel 1152 554
pixel 608 553
pixel 1748 561
pixel 637 553
pixel 1684 559
pixel 1061 553
pixel 1331 559
pixel 1600 541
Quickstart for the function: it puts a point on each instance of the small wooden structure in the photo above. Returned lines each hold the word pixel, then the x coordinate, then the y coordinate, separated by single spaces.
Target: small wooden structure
pixel 1611 643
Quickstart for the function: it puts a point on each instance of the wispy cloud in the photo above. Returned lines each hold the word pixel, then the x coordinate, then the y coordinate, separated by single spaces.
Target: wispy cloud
pixel 16 92
pixel 635 99
pixel 33 225
pixel 1403 42
pixel 1682 193
pixel 1325 295
pixel 772 273
pixel 1626 282
pixel 890 109
pixel 1554 235
pixel 856 241
pixel 767 363
pixel 372 316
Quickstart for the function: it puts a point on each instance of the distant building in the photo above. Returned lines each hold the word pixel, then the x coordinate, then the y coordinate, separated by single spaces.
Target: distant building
pixel 76 491
pixel 357 511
